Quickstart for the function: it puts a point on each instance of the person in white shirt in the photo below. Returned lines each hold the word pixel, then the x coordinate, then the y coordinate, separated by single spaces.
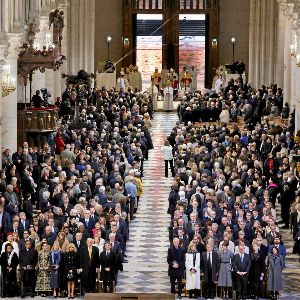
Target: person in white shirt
pixel 167 151
pixel 11 241
pixel 122 82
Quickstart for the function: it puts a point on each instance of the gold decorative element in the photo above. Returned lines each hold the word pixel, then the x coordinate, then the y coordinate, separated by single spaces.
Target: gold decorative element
pixel 8 83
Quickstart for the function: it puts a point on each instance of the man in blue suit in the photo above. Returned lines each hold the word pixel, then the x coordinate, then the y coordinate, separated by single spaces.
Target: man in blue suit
pixel 241 267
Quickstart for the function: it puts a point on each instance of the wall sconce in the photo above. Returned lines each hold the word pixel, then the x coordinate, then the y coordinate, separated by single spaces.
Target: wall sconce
pixel 233 40
pixel 126 41
pixel 293 50
pixel 214 42
pixel 108 40
pixel 298 60
pixel 8 83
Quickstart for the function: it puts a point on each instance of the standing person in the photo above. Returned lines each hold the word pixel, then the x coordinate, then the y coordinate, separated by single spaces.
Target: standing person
pixel 108 266
pixel 43 275
pixel 167 151
pixel 194 79
pixel 131 190
pixel 241 267
pixel 168 97
pixel 210 269
pixel 219 84
pixel 275 267
pixel 55 261
pixel 9 262
pixel 192 266
pixel 71 264
pixel 28 262
pixel 257 269
pixel 225 277
pixel 89 266
pixel 176 261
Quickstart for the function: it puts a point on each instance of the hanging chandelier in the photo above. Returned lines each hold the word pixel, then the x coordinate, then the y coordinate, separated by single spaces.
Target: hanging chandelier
pixel 8 82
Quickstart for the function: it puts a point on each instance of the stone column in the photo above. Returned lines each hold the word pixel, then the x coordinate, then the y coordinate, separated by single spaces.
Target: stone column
pixel 82 32
pixel 3 54
pixel 287 62
pixel 9 103
pixel 263 15
pixel 281 47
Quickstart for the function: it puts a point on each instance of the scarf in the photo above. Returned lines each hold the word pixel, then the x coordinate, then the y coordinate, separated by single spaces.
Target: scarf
pixel 9 257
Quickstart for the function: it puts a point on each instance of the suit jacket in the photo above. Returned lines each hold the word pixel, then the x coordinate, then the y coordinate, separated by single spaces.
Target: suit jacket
pixel 27 223
pixel 240 266
pixel 5 222
pixel 108 261
pixel 215 266
pixel 177 255
pixel 82 244
pixel 89 226
pixel 87 264
pixel 29 257
pixel 294 222
pixel 22 243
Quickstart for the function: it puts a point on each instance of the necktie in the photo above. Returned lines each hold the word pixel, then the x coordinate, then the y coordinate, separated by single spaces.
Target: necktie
pixel 107 253
pixel 90 253
pixel 23 224
pixel 15 229
pixel 242 258
pixel 209 261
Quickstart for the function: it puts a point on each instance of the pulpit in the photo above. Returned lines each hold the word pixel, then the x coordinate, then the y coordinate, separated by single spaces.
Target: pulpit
pixel 35 125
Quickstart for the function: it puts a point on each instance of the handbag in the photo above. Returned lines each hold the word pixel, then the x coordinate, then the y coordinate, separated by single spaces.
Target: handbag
pixel 70 276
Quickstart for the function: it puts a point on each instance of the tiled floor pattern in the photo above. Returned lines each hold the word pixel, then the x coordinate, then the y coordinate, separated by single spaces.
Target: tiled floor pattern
pixel 147 248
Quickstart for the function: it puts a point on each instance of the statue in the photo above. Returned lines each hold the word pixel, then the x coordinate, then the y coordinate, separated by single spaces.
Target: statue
pixel 32 29
pixel 57 19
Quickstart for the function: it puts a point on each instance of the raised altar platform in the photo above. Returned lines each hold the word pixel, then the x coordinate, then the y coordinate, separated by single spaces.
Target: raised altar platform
pixel 130 296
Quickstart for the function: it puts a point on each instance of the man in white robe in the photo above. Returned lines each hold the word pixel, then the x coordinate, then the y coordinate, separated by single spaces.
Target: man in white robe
pixel 219 84
pixel 164 76
pixel 122 82
pixel 153 92
pixel 194 79
pixel 168 97
pixel 136 79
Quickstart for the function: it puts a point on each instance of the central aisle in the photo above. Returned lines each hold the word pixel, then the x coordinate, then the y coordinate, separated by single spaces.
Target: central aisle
pixel 147 269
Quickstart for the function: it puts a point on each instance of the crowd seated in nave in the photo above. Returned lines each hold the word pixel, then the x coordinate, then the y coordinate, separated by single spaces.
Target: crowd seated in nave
pixel 235 165
pixel 69 204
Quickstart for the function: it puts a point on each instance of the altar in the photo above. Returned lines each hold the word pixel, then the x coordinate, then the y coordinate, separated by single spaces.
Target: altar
pixel 106 80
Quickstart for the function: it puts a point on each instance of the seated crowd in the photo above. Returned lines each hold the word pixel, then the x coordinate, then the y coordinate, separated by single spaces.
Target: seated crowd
pixel 229 178
pixel 65 208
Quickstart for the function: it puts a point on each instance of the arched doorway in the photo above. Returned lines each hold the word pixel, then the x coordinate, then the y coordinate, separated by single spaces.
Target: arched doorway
pixel 171 12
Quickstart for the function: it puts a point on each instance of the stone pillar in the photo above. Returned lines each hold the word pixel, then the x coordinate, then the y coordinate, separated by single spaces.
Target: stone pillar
pixel 3 54
pixel 9 103
pixel 281 47
pixel 82 32
pixel 287 62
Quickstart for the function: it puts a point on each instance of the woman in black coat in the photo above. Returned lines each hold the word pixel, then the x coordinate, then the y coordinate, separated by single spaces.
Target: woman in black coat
pixel 257 271
pixel 71 264
pixel 9 262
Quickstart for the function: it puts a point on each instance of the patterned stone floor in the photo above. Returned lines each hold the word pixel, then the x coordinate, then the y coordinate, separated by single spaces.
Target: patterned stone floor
pixel 146 250
pixel 147 267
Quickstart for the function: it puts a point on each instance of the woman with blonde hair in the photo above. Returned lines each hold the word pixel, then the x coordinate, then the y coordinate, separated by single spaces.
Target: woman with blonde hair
pixel 71 265
pixel 192 266
pixel 147 121
pixel 62 241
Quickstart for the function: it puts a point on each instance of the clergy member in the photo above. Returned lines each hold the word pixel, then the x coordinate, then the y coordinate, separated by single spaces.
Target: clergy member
pixel 194 79
pixel 168 97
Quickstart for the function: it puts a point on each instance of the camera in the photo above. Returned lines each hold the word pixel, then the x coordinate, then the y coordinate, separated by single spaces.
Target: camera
pixel 45 95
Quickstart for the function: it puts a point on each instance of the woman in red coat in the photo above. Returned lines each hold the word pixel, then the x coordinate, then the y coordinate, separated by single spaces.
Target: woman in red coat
pixel 59 144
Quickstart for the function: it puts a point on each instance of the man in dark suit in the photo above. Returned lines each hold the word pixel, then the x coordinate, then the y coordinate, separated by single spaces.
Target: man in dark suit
pixel 4 221
pixel 79 243
pixel 23 222
pixel 295 220
pixel 87 222
pixel 176 261
pixel 209 269
pixel 89 266
pixel 241 266
pixel 25 239
pixel 28 262
pixel 108 267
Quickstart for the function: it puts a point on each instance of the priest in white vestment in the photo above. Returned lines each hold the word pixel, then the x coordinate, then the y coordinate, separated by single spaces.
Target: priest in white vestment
pixel 194 79
pixel 153 92
pixel 219 84
pixel 137 79
pixel 168 97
